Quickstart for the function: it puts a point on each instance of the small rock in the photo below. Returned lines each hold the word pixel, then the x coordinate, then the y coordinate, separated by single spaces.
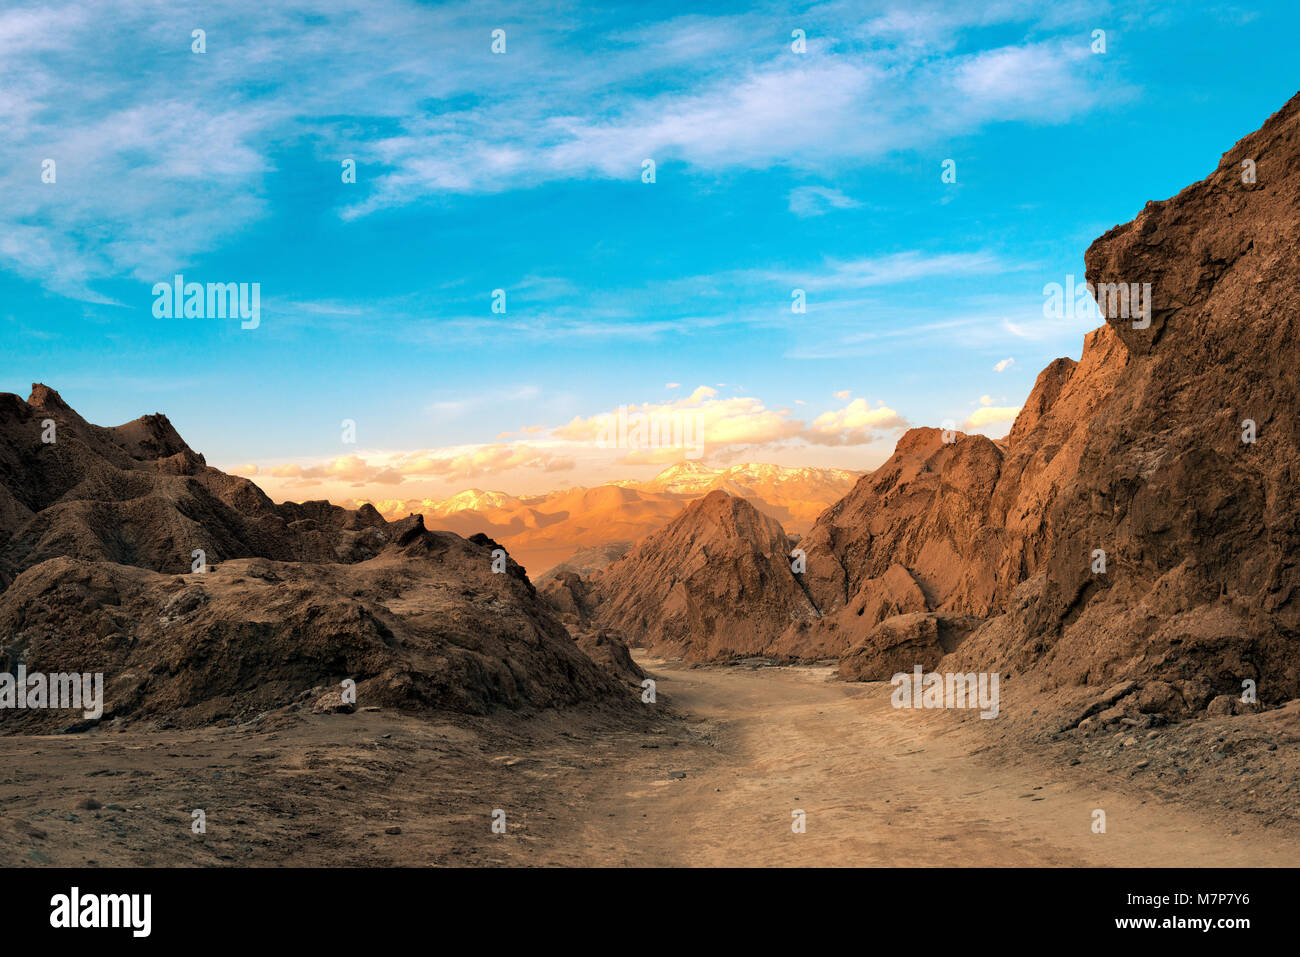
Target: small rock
pixel 677 774
pixel 332 703
pixel 393 830
pixel 88 804
pixel 1219 706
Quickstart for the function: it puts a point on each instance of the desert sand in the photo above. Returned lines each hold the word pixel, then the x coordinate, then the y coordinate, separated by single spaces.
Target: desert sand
pixel 710 775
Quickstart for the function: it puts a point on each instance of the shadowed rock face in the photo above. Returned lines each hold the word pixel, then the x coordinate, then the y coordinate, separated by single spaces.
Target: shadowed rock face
pixel 99 528
pixel 900 643
pixel 1135 450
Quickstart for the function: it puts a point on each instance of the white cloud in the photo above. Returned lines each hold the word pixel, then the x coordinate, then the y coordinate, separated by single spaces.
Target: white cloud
pixel 1037 81
pixel 894 269
pixel 806 201
pixel 163 154
pixel 743 421
pixel 1004 364
pixel 856 423
pixel 990 415
pixel 396 468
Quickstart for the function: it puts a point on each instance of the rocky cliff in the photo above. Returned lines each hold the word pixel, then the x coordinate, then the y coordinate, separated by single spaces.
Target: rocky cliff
pixel 1136 527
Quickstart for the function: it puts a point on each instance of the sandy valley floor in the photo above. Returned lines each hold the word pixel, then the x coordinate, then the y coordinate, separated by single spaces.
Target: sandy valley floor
pixel 713 779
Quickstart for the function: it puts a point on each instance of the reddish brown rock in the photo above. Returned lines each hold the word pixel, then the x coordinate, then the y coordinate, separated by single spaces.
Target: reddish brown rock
pixel 137 495
pixel 1198 527
pixel 903 642
pixel 714 583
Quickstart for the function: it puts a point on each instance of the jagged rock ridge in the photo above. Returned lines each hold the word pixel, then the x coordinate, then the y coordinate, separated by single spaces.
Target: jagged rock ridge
pixel 97 532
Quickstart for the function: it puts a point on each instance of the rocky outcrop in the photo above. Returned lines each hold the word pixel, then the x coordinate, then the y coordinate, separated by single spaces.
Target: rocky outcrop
pixel 828 636
pixel 964 518
pixel 570 595
pixel 1197 525
pixel 585 562
pixel 610 652
pixel 102 524
pixel 714 583
pixel 900 643
pixel 138 495
pixel 925 514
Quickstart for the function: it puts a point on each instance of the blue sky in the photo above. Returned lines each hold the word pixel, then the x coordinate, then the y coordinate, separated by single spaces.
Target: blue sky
pixel 522 171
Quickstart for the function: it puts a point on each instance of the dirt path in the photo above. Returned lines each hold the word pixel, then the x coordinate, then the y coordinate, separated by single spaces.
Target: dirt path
pixel 878 786
pixel 713 783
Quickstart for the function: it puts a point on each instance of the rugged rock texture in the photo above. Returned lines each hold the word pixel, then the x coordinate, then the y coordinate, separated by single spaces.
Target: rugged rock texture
pixel 893 593
pixel 904 641
pixel 916 534
pixel 1135 450
pixel 712 584
pixel 426 624
pixel 609 651
pixel 573 599
pixel 138 495
pixel 570 595
pixel 297 596
pixel 964 521
pixel 1198 527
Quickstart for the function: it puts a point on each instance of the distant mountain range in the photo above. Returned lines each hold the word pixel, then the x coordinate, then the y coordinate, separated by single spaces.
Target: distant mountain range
pixel 543 530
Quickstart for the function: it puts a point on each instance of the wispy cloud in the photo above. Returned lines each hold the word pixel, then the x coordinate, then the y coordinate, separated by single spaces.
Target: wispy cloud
pixel 807 201
pixel 163 154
